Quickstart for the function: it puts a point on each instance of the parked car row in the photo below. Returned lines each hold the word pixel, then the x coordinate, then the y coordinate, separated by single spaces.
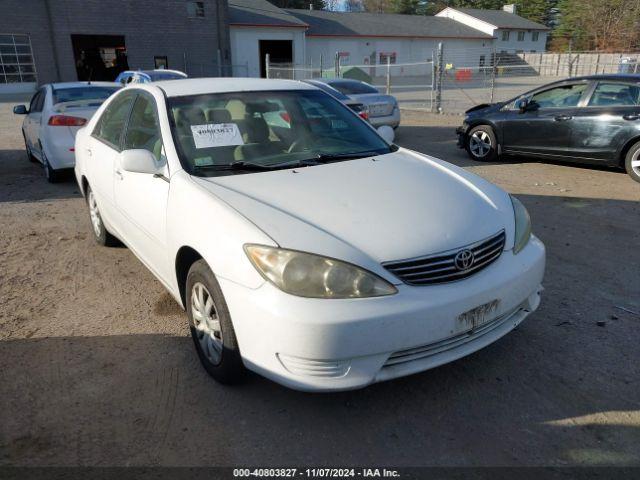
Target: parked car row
pixel 592 119
pixel 72 104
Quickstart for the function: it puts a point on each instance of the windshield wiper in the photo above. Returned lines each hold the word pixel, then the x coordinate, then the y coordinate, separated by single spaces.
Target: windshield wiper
pixel 331 157
pixel 249 166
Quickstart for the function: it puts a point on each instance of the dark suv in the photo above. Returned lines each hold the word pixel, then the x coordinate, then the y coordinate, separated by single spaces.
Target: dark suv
pixel 593 119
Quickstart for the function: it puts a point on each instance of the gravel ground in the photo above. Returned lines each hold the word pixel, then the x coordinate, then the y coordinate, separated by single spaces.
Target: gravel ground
pixel 97 367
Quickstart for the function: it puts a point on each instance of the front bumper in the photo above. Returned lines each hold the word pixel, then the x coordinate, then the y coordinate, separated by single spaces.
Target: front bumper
pixel 461 133
pixel 329 345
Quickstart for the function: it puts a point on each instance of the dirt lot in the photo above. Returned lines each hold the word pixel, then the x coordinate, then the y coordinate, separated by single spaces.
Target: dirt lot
pixel 97 367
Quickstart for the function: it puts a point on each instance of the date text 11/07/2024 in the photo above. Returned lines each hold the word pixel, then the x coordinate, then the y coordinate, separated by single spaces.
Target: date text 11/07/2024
pixel 316 472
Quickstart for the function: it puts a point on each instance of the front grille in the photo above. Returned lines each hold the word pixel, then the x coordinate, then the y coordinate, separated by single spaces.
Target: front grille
pixel 443 267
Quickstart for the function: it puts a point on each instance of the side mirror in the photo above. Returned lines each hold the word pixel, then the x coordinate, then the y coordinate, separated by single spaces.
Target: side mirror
pixel 139 161
pixel 522 105
pixel 387 133
pixel 20 110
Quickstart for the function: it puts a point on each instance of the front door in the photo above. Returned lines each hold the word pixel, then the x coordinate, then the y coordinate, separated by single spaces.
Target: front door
pixel 141 198
pixel 101 152
pixel 606 123
pixel 545 127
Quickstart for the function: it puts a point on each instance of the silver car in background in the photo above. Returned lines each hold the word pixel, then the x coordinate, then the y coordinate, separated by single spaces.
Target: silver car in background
pixel 55 114
pixel 383 109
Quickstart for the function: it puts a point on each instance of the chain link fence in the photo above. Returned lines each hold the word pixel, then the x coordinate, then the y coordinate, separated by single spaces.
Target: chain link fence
pixel 454 80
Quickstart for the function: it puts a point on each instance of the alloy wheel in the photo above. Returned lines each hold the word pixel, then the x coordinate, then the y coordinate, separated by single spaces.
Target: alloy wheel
pixel 96 221
pixel 206 323
pixel 480 144
pixel 635 162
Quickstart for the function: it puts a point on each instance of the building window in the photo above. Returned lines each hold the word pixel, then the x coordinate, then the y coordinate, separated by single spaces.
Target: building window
pixel 534 36
pixel 521 36
pixel 390 56
pixel 16 59
pixel 505 36
pixel 160 63
pixel 195 9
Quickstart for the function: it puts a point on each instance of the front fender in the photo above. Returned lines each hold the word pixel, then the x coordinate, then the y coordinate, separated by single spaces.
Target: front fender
pixel 196 218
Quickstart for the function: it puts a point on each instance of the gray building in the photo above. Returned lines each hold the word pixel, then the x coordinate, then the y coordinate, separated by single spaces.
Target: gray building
pixel 45 41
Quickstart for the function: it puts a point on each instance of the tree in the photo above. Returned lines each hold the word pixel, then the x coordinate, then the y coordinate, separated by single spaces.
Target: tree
pixel 353 6
pixel 595 25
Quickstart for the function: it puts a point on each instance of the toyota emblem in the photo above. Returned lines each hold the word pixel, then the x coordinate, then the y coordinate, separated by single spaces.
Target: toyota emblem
pixel 464 259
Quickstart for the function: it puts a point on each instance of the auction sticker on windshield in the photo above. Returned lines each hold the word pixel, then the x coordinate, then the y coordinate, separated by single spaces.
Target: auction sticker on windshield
pixel 216 135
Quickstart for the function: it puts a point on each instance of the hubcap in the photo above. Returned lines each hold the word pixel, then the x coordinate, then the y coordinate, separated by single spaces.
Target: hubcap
pixel 96 221
pixel 480 143
pixel 206 323
pixel 635 162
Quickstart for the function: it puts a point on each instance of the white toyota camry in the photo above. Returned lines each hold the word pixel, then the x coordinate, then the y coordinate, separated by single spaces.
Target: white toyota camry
pixel 302 245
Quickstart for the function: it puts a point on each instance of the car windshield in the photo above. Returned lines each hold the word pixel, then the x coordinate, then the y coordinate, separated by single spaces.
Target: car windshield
pixel 239 132
pixel 89 94
pixel 157 76
pixel 353 88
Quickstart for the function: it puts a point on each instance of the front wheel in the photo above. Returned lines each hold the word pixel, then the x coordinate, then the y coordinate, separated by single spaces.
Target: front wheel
pixel 632 162
pixel 211 328
pixel 100 232
pixel 482 144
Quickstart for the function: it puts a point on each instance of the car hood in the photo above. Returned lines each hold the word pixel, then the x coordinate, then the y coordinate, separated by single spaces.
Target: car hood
pixel 390 207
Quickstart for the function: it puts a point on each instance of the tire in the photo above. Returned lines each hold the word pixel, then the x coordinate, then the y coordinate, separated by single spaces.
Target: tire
pixel 211 327
pixel 632 162
pixel 51 174
pixel 100 232
pixel 30 156
pixel 481 144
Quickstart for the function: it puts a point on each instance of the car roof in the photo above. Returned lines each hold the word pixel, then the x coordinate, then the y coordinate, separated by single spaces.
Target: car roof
pixel 82 84
pixel 341 80
pixel 626 77
pixel 199 86
pixel 163 70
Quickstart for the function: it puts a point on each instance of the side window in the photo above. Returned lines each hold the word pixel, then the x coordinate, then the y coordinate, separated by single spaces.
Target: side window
pixel 616 95
pixel 559 97
pixel 110 127
pixel 143 130
pixel 37 102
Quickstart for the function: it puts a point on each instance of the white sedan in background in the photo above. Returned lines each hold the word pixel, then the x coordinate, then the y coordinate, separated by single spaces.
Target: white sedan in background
pixel 56 112
pixel 311 251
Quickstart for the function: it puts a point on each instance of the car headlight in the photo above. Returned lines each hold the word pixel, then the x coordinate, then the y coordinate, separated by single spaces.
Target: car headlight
pixel 523 225
pixel 309 275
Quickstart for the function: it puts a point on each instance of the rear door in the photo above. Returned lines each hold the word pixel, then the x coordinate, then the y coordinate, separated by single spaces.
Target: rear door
pixel 609 118
pixel 545 128
pixel 101 152
pixel 33 121
pixel 141 198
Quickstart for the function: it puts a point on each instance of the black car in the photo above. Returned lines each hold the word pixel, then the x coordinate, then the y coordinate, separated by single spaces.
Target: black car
pixel 594 119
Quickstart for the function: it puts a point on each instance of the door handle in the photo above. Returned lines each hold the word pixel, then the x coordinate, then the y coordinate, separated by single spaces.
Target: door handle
pixel 89 152
pixel 119 174
pixel 562 118
pixel 632 116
